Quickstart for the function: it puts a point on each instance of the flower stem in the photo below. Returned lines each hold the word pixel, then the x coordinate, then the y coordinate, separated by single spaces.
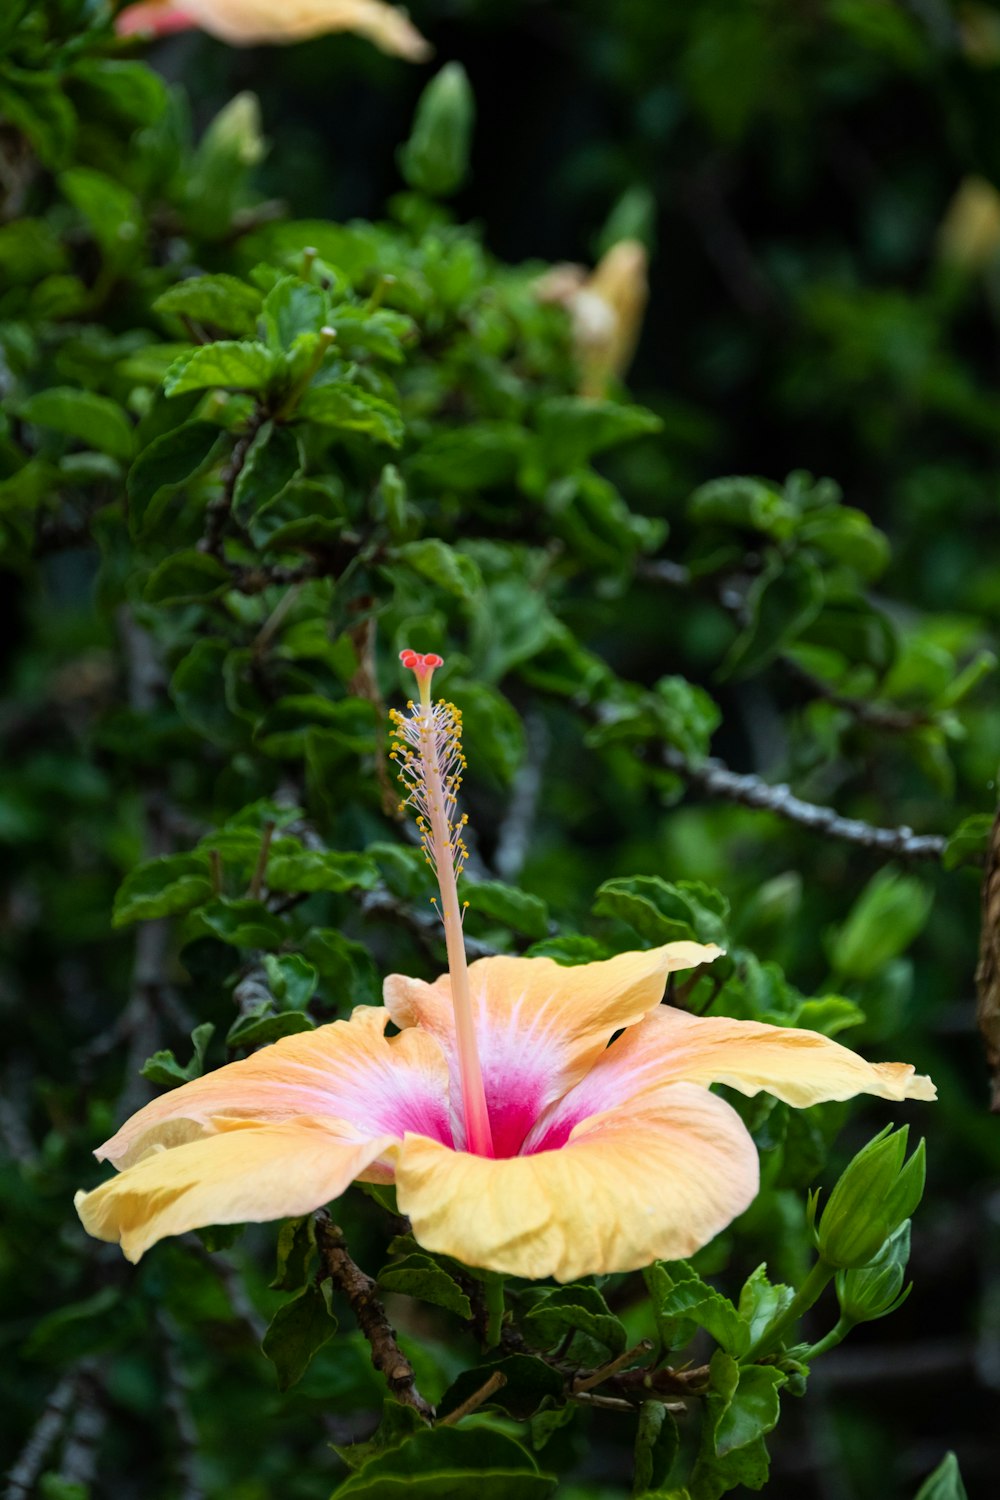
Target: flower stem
pixel 836 1336
pixel 818 1279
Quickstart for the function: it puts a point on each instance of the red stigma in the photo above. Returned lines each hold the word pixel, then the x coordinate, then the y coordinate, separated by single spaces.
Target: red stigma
pixel 421 665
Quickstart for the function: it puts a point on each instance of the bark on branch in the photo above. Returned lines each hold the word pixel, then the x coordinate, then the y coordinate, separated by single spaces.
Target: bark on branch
pixel 360 1291
pixel 715 779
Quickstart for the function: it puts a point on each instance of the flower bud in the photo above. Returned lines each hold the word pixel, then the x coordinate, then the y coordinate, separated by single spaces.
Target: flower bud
pixel 876 1192
pixel 873 1291
pixel 436 157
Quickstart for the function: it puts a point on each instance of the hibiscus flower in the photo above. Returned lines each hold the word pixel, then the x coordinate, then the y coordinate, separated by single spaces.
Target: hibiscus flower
pixel 246 23
pixel 523 1133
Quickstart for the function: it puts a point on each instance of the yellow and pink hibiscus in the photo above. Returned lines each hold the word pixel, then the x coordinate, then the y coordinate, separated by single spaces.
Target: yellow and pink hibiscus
pixel 246 23
pixel 523 1134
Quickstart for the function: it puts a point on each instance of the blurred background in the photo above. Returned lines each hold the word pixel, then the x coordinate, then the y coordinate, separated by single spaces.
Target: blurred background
pixel 815 182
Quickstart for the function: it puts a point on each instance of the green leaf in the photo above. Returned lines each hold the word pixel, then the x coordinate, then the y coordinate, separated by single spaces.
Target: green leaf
pixel 656 1443
pixel 297 1331
pixel 761 1302
pixel 91 419
pixel 262 1026
pixel 296 1252
pixel 292 868
pixel 397 1423
pixel 516 909
pixel 475 457
pixel 169 461
pixel 165 1071
pixel 194 688
pixel 683 1302
pixel 242 922
pixel 34 102
pixel 292 980
pixel 663 913
pixel 577 1309
pixel 185 576
pixel 571 429
pixel 848 536
pixel 945 1483
pixel 114 215
pixel 348 407
pixel 450 1463
pixel 231 365
pixel 421 1277
pixel 885 919
pixel 215 301
pixel 161 887
pixel 293 307
pixel 450 570
pixel 272 461
pixel 307 515
pixel 969 841
pixel 782 603
pixel 744 502
pixel 529 1381
pixel 751 1410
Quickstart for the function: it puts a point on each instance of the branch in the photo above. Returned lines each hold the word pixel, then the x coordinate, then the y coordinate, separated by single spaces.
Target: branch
pixel 716 779
pixel 21 1477
pixel 514 838
pixel 359 1289
pixel 219 509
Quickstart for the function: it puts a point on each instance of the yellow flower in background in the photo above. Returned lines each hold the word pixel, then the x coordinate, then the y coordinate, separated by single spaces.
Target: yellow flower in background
pixel 969 234
pixel 520 1137
pixel 606 308
pixel 246 23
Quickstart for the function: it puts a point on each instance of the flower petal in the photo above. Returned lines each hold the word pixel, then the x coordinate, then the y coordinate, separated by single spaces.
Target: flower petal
pixel 244 1173
pixel 631 1186
pixel 245 23
pixel 668 1046
pixel 539 1024
pixel 349 1070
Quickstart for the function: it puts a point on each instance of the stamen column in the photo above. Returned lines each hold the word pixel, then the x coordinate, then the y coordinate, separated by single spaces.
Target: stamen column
pixel 430 763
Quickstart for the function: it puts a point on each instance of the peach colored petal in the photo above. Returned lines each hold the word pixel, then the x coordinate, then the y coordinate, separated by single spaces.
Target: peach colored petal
pixel 631 1186
pixel 349 1070
pixel 799 1067
pixel 243 1173
pixel 245 23
pixel 539 1024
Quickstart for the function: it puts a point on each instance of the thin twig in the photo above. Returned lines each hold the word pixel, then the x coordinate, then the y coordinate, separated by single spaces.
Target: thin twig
pixel 260 869
pixel 360 1291
pixel 495 1383
pixel 597 1377
pixel 177 1403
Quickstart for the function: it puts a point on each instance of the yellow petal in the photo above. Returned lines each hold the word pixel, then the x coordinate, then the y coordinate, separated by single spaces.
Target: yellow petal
pixel 251 22
pixel 799 1067
pixel 347 1070
pixel 539 1025
pixel 243 1173
pixel 657 1181
pixel 607 315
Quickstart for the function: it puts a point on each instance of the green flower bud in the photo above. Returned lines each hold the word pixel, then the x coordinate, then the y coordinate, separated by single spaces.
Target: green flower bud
pixel 875 1290
pixel 435 159
pixel 871 1200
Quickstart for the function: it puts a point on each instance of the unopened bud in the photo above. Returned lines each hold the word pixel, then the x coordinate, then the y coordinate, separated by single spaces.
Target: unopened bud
pixel 874 1290
pixel 876 1192
pixel 435 159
